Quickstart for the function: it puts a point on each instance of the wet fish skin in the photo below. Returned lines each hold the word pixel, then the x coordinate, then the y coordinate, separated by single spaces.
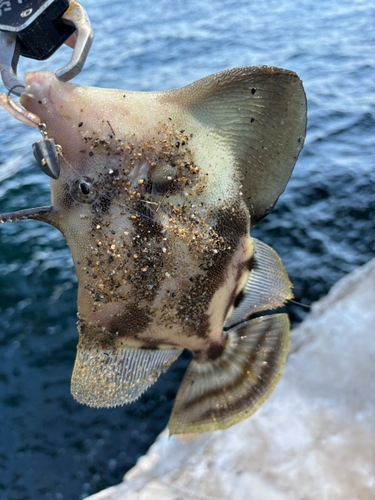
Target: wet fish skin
pixel 156 196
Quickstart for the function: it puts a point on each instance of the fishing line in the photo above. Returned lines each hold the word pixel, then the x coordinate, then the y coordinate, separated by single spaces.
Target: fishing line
pixel 300 304
pixel 14 87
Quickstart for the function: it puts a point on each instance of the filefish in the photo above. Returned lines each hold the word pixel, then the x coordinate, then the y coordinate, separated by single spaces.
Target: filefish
pixel 155 195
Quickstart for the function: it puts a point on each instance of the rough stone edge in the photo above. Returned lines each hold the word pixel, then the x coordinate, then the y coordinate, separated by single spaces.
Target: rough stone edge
pixel 305 331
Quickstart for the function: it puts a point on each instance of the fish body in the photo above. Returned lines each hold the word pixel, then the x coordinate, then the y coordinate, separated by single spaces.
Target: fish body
pixel 156 196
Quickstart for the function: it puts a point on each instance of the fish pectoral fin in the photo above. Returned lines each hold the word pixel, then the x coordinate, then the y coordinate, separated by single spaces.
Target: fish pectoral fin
pixel 259 114
pixel 215 395
pixel 267 287
pixel 113 377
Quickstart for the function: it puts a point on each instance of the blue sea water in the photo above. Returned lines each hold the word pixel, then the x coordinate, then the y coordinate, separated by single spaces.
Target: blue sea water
pixel 323 225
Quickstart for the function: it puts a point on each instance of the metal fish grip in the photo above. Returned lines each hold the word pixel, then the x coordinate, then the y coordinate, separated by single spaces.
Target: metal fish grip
pixel 36 30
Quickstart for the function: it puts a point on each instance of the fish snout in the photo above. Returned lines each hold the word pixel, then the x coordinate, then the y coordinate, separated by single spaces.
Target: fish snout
pixel 37 89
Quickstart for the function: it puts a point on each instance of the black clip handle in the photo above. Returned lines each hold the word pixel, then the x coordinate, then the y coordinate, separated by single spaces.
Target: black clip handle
pixel 37 24
pixel 36 29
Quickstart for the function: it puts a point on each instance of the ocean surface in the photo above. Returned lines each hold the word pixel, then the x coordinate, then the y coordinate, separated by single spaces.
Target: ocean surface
pixel 323 226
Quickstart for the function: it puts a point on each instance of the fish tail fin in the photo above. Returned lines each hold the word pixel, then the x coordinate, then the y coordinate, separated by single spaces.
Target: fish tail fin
pixel 215 395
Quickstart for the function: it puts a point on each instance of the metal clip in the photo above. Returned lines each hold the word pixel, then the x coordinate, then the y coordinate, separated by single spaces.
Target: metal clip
pixel 46 154
pixel 38 32
pixel 77 17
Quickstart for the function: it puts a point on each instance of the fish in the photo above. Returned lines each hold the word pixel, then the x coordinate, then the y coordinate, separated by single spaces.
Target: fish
pixel 156 194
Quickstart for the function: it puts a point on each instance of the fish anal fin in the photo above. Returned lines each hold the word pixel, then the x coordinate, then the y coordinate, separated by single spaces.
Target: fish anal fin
pixel 113 377
pixel 267 287
pixel 215 395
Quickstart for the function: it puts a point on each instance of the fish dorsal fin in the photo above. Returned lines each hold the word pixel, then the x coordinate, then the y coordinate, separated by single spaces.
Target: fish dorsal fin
pixel 267 287
pixel 259 113
pixel 113 377
pixel 215 395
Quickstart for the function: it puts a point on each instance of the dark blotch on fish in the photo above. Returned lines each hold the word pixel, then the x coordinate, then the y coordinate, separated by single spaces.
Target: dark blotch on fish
pixel 133 320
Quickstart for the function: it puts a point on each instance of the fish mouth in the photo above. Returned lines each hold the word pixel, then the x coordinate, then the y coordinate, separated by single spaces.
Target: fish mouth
pixel 52 101
pixel 37 90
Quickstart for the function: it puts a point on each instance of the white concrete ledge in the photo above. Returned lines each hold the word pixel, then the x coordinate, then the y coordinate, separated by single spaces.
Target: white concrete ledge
pixel 313 439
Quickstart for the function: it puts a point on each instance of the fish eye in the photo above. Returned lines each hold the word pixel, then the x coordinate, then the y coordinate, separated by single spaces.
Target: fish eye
pixel 83 190
pixel 162 178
